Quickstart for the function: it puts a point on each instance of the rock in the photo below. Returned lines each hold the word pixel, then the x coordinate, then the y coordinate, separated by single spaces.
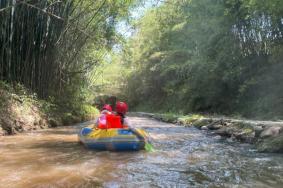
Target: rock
pixel 187 125
pixel 271 144
pixel 271 132
pixel 43 125
pixel 258 129
pixel 230 140
pixel 2 132
pixel 217 137
pixel 244 136
pixel 53 123
pixel 202 122
pixel 204 128
pixel 27 127
pixel 17 125
pixel 76 119
pixel 41 121
pixel 227 124
pixel 224 131
pixel 35 124
pixel 215 126
pixel 179 122
pixel 7 126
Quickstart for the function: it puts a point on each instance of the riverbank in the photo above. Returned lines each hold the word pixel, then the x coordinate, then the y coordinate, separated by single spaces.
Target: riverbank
pixel 266 135
pixel 22 111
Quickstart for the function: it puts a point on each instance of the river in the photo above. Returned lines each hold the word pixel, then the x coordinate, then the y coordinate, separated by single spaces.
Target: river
pixel 184 157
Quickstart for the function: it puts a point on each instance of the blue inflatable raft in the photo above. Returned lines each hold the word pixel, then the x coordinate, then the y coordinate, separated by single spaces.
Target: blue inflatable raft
pixel 115 139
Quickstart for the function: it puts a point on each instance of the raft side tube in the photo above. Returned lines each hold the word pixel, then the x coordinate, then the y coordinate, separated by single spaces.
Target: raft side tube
pixel 111 139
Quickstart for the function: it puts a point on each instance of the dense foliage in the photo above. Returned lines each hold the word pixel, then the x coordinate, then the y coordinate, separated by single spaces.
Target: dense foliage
pixel 52 47
pixel 217 56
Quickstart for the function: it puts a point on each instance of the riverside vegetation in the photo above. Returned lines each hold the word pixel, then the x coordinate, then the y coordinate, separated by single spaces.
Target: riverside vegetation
pixel 49 51
pixel 20 110
pixel 217 57
pixel 221 57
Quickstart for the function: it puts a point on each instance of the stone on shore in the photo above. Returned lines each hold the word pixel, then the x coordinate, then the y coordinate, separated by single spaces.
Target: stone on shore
pixel 271 132
pixel 204 128
pixel 271 144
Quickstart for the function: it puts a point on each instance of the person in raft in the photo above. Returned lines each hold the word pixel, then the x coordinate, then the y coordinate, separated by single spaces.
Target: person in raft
pixel 101 120
pixel 121 110
pixel 109 120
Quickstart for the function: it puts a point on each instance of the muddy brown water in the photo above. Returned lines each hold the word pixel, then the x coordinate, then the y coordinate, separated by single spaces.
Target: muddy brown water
pixel 184 157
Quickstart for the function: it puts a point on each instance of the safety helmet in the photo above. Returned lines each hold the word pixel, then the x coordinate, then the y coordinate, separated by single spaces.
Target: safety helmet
pixel 121 107
pixel 107 107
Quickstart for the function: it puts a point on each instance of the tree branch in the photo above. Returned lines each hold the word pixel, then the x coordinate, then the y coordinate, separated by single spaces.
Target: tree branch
pixel 44 11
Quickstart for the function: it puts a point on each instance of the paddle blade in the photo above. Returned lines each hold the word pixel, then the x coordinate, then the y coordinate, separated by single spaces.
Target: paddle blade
pixel 148 147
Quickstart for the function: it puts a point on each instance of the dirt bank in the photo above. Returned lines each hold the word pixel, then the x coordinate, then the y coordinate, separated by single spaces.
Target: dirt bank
pixel 19 113
pixel 22 111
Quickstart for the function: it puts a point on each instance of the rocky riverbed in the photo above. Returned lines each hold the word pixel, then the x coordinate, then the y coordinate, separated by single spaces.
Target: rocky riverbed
pixel 266 135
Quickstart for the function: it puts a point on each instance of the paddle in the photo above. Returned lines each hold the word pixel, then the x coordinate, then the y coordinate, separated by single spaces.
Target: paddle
pixel 147 145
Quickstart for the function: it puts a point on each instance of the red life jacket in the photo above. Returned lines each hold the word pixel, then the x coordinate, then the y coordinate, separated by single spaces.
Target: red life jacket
pixel 112 121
